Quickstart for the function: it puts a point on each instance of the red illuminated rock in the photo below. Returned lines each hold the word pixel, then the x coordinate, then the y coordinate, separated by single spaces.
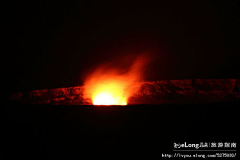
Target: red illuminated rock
pixel 156 92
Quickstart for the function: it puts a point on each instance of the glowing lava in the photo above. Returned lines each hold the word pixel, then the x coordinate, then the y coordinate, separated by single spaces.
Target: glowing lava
pixel 110 91
pixel 108 99
pixel 108 86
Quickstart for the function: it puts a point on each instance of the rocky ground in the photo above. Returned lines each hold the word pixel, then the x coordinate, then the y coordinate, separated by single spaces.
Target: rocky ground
pixel 155 92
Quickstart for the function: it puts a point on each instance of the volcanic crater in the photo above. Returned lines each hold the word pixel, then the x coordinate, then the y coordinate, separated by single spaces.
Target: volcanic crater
pixel 154 92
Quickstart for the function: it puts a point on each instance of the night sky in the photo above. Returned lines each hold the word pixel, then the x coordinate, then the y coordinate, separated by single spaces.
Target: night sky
pixel 49 45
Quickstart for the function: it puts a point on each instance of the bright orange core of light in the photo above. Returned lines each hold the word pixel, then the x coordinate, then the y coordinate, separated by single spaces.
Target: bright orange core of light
pixel 108 99
pixel 109 94
pixel 109 86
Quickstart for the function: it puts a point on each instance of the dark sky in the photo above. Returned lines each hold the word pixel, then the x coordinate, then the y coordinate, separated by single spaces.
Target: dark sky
pixel 51 44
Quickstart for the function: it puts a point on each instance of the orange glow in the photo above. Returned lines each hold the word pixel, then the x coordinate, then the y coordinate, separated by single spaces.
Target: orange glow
pixel 109 86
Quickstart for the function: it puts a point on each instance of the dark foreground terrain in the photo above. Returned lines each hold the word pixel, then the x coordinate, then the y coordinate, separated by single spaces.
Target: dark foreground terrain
pixel 74 132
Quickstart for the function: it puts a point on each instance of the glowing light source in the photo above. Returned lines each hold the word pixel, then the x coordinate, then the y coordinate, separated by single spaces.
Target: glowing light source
pixel 107 99
pixel 108 86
